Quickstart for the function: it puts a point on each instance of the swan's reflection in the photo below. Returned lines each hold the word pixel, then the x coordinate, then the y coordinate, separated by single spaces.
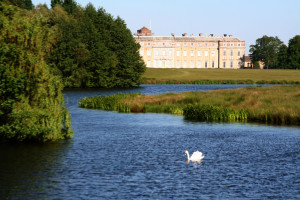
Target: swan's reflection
pixel 194 162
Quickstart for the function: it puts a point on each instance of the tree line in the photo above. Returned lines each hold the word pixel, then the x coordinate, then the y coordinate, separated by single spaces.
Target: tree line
pixel 43 50
pixel 274 54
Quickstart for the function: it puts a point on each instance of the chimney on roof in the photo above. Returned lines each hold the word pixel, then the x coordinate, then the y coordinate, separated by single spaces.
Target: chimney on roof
pixel 184 34
pixel 173 34
pixel 201 34
pixel 230 35
pixel 225 35
pixel 211 35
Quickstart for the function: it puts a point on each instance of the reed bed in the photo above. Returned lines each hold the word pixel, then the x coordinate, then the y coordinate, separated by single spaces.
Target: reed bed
pixel 272 105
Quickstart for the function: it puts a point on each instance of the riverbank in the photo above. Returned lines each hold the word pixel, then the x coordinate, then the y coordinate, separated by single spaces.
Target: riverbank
pixel 274 105
pixel 220 76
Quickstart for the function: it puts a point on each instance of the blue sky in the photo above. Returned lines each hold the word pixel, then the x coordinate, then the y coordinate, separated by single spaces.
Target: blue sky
pixel 245 19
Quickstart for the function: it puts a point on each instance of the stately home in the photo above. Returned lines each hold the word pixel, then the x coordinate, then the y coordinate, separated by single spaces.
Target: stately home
pixel 190 51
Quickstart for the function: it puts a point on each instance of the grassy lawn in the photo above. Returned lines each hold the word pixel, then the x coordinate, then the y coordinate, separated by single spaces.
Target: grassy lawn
pixel 255 75
pixel 274 105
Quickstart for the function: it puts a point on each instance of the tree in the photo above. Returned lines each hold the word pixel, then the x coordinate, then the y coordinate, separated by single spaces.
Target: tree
pixel 25 4
pixel 293 52
pixel 283 57
pixel 94 49
pixel 266 50
pixel 31 103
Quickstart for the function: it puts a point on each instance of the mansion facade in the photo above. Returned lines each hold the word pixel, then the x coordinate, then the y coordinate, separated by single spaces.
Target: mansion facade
pixel 190 51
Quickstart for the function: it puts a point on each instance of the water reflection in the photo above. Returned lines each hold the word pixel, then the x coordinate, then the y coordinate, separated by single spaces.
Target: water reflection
pixel 30 170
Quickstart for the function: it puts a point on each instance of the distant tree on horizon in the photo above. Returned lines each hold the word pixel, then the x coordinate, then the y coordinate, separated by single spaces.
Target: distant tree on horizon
pixel 266 50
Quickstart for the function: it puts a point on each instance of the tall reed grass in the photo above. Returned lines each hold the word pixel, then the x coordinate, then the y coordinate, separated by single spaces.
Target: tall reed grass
pixel 213 113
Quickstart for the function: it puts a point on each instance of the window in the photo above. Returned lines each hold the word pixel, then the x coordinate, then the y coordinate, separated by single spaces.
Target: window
pixel 206 44
pixel 178 64
pixel 178 53
pixel 192 44
pixel 199 53
pixel 163 44
pixel 184 64
pixel 231 44
pixel 224 44
pixel 184 53
pixel 224 52
pixel 231 64
pixel 224 64
pixel 213 64
pixel 149 52
pixel 170 53
pixel 192 64
pixel 149 44
pixel 199 44
pixel 205 64
pixel 231 53
pixel 213 44
pixel 167 64
pixel 156 52
pixel 163 52
pixel 142 52
pixel 185 44
pixel 160 64
pixel 213 53
pixel 154 63
pixel 198 64
pixel 239 53
pixel 178 44
pixel 148 63
pixel 192 53
pixel 205 53
pixel 239 44
pixel 240 64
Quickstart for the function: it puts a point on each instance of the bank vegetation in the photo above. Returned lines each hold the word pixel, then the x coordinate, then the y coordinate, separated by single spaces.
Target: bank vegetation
pixel 272 105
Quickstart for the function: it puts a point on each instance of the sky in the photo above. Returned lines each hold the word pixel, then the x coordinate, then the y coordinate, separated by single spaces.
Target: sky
pixel 245 19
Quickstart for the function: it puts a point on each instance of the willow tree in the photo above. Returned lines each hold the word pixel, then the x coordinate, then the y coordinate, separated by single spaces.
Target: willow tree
pixel 31 103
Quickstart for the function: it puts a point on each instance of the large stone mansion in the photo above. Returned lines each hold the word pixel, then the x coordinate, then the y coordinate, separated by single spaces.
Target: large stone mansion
pixel 190 51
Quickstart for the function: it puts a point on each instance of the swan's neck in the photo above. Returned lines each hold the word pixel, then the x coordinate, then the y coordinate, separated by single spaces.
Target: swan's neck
pixel 188 155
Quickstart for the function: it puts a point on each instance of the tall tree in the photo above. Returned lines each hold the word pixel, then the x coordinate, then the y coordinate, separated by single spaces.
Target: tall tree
pixel 283 57
pixel 25 4
pixel 31 103
pixel 94 49
pixel 266 50
pixel 294 52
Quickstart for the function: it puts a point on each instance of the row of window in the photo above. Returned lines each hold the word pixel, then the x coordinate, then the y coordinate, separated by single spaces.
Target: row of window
pixel 187 44
pixel 185 53
pixel 168 64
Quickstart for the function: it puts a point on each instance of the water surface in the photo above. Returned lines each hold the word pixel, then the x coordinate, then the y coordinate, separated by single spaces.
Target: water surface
pixel 141 156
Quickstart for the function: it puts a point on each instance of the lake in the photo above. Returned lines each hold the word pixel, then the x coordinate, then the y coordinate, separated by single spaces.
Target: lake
pixel 141 156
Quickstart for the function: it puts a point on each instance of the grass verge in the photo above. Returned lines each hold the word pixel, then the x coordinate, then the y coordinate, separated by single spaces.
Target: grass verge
pixel 220 76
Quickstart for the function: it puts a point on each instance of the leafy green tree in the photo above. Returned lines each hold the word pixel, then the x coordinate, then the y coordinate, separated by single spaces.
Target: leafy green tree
pixel 31 103
pixel 293 52
pixel 283 57
pixel 266 50
pixel 25 4
pixel 54 2
pixel 94 49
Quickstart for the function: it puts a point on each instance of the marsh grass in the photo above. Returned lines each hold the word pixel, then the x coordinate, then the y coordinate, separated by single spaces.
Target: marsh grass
pixel 274 105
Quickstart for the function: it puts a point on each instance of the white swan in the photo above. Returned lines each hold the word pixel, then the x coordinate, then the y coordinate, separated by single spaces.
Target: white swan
pixel 196 156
